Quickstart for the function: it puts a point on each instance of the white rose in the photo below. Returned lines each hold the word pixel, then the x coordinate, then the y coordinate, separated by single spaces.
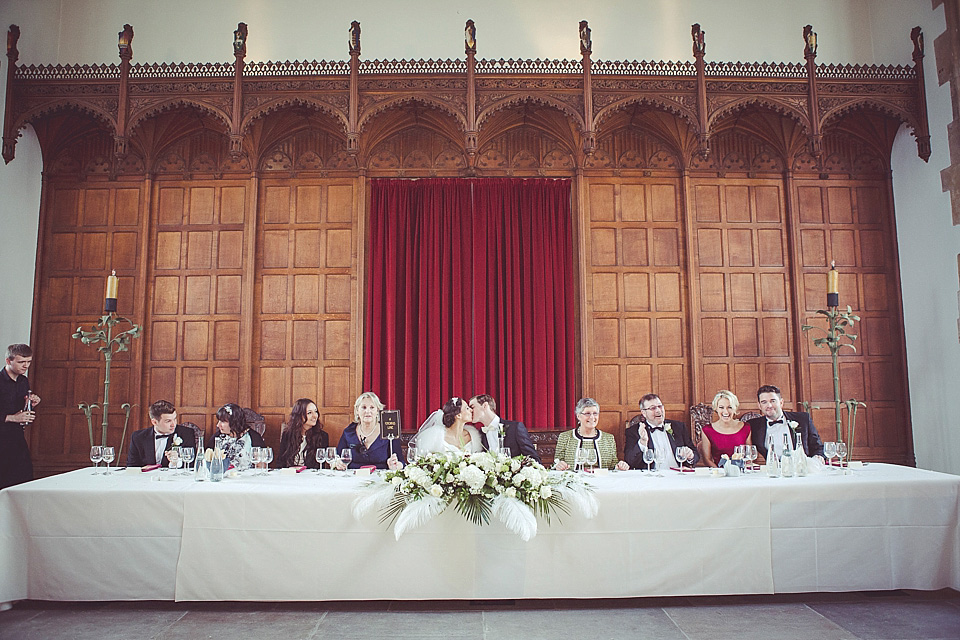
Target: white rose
pixel 546 491
pixel 436 491
pixel 397 481
pixel 515 466
pixel 511 492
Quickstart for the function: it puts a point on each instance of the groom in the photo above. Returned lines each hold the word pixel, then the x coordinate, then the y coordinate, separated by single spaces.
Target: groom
pixel 496 433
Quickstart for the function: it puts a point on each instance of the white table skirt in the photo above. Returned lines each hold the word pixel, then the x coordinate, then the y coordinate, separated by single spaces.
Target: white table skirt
pixel 129 537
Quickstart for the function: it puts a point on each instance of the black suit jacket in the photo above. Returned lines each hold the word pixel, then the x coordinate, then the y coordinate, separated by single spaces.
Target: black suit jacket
pixel 143 452
pixel 680 437
pixel 516 438
pixel 812 444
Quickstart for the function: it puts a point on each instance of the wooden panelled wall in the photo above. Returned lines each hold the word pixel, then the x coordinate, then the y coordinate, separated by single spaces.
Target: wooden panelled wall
pixel 695 274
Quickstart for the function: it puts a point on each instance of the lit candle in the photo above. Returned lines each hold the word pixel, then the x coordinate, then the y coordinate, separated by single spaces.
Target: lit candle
pixel 113 283
pixel 833 286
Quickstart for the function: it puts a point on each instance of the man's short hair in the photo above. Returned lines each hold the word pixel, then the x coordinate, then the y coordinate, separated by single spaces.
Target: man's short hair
pixel 22 350
pixel 649 396
pixel 161 407
pixel 769 388
pixel 486 397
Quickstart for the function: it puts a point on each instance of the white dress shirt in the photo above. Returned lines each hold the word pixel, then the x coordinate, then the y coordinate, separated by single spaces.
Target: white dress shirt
pixel 492 432
pixel 661 443
pixel 159 446
pixel 778 431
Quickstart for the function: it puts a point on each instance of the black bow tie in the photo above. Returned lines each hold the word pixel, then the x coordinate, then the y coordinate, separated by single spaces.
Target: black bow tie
pixel 770 423
pixel 653 428
pixel 163 435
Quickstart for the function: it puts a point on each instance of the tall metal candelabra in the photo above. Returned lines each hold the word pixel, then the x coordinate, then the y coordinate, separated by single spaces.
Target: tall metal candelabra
pixel 835 338
pixel 103 332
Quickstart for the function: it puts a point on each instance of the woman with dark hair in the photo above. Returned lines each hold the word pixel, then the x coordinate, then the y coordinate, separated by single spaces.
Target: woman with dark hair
pixel 362 437
pixel 302 436
pixel 447 431
pixel 234 437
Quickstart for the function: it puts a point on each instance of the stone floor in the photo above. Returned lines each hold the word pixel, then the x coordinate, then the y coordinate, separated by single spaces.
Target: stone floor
pixel 886 615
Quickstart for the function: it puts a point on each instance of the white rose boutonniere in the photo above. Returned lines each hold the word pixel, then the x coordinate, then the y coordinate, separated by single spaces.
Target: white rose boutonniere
pixel 793 424
pixel 668 428
pixel 177 441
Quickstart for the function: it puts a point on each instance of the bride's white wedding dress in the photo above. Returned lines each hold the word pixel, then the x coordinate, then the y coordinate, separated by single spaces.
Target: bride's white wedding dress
pixel 430 438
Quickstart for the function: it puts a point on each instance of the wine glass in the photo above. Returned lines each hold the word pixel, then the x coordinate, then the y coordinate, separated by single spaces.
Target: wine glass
pixel 829 452
pixel 579 457
pixel 738 453
pixel 108 458
pixel 346 456
pixel 841 454
pixel 648 457
pixel 187 454
pixel 96 455
pixel 752 453
pixel 331 456
pixel 411 452
pixel 321 456
pixel 266 456
pixel 589 459
pixel 680 458
pixel 256 457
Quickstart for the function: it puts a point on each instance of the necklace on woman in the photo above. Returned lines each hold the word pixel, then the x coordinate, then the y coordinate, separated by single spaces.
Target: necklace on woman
pixel 367 436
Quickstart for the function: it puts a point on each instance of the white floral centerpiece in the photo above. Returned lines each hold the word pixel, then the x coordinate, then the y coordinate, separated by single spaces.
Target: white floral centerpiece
pixel 514 490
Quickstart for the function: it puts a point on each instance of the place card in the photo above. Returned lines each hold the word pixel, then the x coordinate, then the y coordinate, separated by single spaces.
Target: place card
pixel 288 471
pixel 363 471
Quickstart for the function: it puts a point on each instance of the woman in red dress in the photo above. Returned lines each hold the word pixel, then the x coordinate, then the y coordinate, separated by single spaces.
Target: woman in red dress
pixel 726 433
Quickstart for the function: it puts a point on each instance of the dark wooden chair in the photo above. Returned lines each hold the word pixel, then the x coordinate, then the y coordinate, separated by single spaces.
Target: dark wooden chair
pixel 254 420
pixel 701 414
pixel 198 433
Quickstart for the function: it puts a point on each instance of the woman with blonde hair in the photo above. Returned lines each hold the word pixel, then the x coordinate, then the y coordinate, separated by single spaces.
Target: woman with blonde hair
pixel 727 433
pixel 362 437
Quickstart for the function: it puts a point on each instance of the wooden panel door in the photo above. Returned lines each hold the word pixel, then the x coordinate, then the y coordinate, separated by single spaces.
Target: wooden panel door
pixel 87 230
pixel 850 222
pixel 634 296
pixel 745 317
pixel 306 333
pixel 195 317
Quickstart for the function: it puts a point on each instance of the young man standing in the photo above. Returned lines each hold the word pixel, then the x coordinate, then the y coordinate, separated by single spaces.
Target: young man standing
pixel 15 464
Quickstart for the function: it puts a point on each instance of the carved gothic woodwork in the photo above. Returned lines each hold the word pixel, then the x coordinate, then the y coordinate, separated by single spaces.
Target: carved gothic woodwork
pixel 709 198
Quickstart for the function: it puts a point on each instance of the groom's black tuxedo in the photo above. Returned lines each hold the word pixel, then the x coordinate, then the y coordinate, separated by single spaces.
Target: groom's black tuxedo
pixel 143 449
pixel 811 439
pixel 680 437
pixel 516 438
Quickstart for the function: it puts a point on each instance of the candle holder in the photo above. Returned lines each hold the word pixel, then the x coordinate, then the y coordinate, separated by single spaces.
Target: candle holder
pixel 104 332
pixel 835 338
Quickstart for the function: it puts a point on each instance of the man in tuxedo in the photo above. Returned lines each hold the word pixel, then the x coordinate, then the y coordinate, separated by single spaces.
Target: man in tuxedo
pixel 777 423
pixel 153 444
pixel 496 433
pixel 657 434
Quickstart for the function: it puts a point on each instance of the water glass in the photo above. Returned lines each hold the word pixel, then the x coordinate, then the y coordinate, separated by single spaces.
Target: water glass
pixel 841 454
pixel 186 453
pixel 589 459
pixel 579 457
pixel 829 451
pixel 411 452
pixel 266 456
pixel 96 455
pixel 752 453
pixel 648 457
pixel 256 457
pixel 681 458
pixel 108 458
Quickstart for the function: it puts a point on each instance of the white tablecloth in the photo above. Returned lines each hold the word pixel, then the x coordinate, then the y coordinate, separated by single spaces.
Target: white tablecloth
pixel 130 537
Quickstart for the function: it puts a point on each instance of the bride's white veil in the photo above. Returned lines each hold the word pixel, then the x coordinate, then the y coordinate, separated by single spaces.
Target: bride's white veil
pixel 429 438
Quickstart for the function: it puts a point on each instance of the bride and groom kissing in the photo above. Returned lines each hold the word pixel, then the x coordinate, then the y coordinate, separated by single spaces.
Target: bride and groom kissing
pixel 472 426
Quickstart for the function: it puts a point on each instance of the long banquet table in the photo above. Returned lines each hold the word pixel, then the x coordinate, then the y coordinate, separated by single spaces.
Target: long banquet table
pixel 293 537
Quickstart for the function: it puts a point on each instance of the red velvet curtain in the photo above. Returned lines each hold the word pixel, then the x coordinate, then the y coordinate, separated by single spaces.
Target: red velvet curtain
pixel 470 290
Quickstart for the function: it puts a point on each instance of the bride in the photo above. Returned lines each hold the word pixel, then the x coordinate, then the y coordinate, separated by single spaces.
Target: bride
pixel 446 430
